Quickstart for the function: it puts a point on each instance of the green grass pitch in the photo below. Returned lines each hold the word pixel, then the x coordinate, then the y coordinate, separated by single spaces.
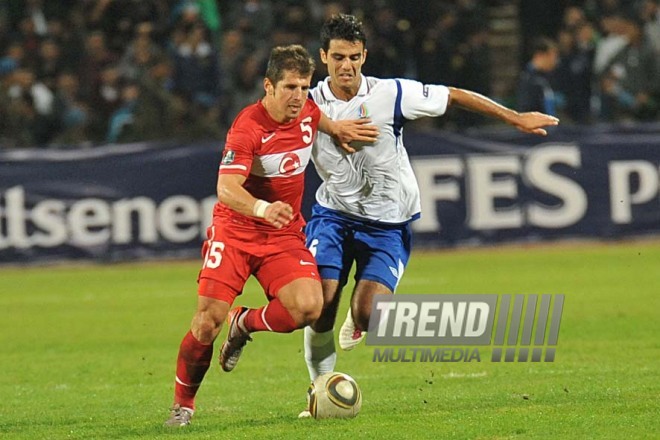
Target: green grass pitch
pixel 88 352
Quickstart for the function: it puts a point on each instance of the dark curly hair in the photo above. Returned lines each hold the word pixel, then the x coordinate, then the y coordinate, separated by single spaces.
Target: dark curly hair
pixel 342 27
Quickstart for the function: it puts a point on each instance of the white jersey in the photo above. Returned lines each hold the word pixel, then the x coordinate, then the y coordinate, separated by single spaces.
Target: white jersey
pixel 377 182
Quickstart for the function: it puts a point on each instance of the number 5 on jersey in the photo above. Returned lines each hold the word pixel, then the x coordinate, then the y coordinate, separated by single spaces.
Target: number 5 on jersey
pixel 308 132
pixel 213 255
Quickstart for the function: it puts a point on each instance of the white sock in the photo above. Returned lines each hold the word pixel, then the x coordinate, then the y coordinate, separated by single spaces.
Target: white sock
pixel 320 354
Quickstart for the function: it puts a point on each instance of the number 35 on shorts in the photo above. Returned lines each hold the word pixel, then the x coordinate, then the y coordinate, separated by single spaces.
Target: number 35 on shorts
pixel 213 256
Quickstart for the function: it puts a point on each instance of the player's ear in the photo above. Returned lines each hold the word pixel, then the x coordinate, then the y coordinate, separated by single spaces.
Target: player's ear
pixel 364 56
pixel 268 86
pixel 324 56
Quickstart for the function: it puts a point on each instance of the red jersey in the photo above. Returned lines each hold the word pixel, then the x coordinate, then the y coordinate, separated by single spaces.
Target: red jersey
pixel 273 157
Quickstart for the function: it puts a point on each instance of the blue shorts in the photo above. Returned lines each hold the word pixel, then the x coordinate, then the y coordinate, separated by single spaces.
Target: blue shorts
pixel 380 251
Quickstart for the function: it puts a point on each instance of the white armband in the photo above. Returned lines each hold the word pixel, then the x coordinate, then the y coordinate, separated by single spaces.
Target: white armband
pixel 259 208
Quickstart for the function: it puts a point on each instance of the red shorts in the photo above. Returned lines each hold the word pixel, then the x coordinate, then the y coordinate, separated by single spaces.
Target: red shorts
pixel 275 259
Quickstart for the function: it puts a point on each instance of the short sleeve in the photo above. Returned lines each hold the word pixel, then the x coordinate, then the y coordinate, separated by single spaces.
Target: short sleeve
pixel 419 100
pixel 238 153
pixel 315 111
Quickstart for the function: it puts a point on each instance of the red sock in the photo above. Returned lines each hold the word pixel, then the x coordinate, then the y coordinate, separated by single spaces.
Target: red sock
pixel 273 317
pixel 191 366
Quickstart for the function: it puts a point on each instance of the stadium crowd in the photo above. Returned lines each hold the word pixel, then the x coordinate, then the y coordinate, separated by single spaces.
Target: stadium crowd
pixel 89 72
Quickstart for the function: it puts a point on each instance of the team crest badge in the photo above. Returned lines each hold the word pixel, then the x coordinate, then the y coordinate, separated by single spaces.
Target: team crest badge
pixel 229 157
pixel 290 163
pixel 363 112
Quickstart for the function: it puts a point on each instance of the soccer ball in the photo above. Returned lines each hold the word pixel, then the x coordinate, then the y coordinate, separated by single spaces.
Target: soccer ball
pixel 334 395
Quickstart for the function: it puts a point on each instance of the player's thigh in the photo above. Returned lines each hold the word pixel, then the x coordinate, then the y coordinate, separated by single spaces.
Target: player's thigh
pixel 225 269
pixel 329 239
pixel 293 262
pixel 382 254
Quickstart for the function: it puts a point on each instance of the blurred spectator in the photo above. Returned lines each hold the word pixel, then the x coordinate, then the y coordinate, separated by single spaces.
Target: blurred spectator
pixel 232 51
pixel 50 63
pixel 158 112
pixel 248 83
pixel 535 93
pixel 254 18
pixel 436 50
pixel 650 15
pixel 141 54
pixel 23 83
pixel 95 58
pixel 189 11
pixel 629 82
pixel 612 42
pixel 69 37
pixel 108 97
pixel 122 119
pixel 12 58
pixel 389 43
pixel 35 14
pixel 196 67
pixel 574 72
pixel 471 63
pixel 27 106
pixel 70 112
pixel 574 16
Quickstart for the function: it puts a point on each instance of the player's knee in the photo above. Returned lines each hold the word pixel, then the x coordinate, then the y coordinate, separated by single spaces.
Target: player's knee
pixel 206 326
pixel 309 308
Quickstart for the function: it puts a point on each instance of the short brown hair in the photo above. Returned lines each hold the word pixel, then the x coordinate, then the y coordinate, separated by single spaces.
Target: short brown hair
pixel 292 58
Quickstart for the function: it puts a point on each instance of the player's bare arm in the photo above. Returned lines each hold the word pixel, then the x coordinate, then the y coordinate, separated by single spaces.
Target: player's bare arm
pixel 231 193
pixel 530 122
pixel 349 130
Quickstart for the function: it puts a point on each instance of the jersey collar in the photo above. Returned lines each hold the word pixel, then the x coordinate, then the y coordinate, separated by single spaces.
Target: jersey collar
pixel 329 96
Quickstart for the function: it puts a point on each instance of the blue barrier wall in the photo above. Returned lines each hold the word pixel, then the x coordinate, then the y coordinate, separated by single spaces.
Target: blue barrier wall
pixel 154 200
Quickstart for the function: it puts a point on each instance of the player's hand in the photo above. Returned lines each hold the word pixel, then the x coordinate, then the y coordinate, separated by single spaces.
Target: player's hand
pixel 279 214
pixel 359 130
pixel 533 122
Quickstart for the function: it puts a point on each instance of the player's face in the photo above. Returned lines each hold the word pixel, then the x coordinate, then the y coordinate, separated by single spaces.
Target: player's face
pixel 285 100
pixel 344 60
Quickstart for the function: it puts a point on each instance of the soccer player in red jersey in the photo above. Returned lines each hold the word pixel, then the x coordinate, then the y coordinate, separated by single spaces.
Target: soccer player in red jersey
pixel 257 225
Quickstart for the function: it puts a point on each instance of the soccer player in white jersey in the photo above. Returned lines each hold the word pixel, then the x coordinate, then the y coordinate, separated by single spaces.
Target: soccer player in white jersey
pixel 369 198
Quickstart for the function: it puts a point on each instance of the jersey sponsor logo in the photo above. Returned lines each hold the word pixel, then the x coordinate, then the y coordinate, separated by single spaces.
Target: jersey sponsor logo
pixel 306 263
pixel 290 162
pixel 267 138
pixel 228 157
pixel 425 91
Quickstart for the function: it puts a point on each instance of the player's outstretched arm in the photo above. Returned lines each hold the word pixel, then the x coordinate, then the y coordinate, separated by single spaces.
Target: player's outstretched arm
pixel 231 193
pixel 349 130
pixel 530 122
